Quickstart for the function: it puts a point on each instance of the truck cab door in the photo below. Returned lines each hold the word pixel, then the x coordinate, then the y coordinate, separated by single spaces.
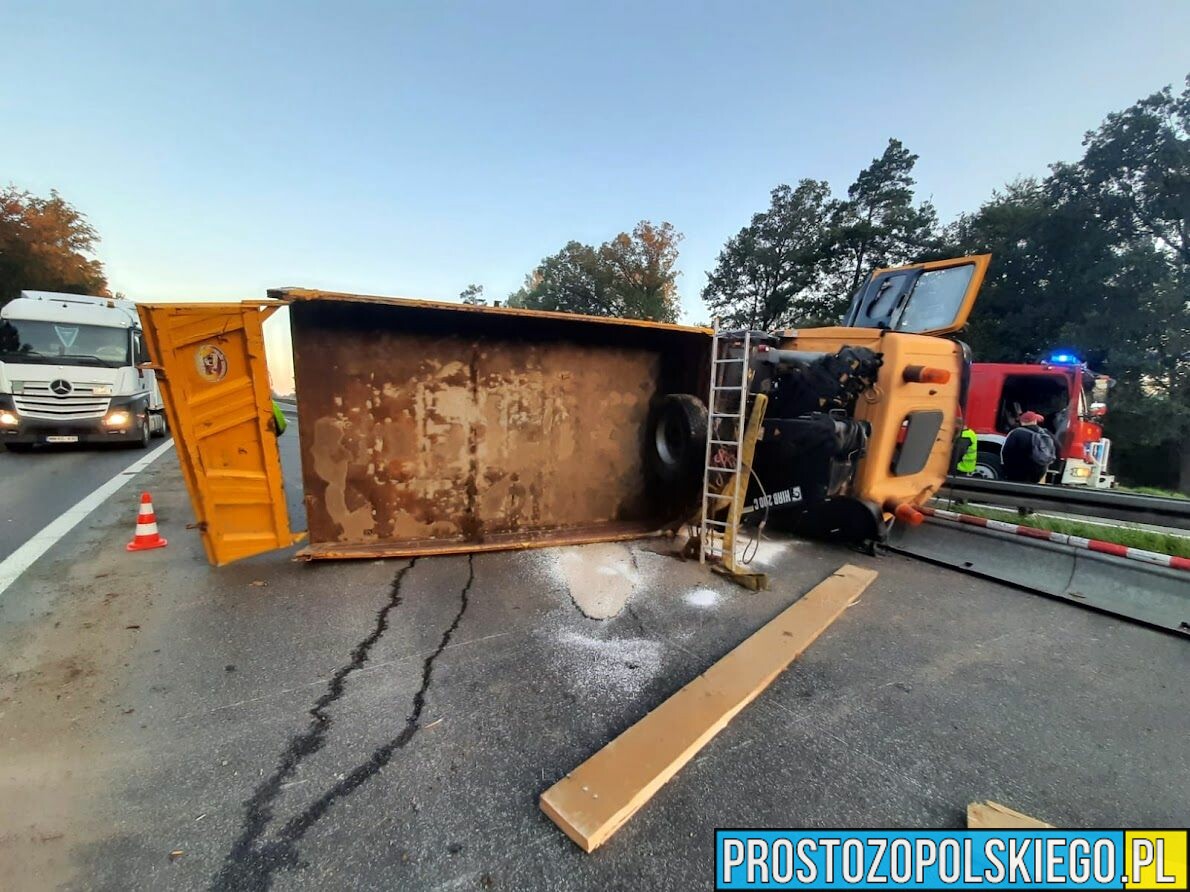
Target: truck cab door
pixel 926 298
pixel 210 365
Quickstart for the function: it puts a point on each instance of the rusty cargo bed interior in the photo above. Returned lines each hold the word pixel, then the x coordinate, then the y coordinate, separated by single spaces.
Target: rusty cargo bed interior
pixel 431 428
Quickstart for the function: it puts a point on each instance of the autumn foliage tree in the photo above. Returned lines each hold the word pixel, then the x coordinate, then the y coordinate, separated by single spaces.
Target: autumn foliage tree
pixel 631 276
pixel 46 245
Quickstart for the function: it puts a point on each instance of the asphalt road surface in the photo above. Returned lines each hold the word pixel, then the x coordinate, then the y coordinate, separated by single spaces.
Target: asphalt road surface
pixel 391 724
pixel 40 485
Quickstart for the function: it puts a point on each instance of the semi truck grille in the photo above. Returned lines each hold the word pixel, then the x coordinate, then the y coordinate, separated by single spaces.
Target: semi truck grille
pixel 37 400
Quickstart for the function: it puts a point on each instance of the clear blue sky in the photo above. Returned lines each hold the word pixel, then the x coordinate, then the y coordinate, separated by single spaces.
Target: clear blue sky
pixel 223 148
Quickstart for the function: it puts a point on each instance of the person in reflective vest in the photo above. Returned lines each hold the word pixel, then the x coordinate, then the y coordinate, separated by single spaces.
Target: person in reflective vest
pixel 279 422
pixel 969 443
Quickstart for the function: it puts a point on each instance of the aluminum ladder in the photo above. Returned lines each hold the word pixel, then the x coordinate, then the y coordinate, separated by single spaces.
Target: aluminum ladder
pixel 729 453
pixel 721 482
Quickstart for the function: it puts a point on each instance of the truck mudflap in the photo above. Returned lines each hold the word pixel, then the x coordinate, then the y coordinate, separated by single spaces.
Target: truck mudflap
pixel 429 428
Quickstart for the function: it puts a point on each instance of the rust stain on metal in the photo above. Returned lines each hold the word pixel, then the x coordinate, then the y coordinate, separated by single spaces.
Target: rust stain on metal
pixel 422 429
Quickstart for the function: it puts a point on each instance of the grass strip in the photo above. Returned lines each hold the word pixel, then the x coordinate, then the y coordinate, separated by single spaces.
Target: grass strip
pixel 1149 540
pixel 1153 491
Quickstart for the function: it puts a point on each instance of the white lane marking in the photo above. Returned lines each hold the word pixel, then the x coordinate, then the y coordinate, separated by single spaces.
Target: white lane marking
pixel 25 556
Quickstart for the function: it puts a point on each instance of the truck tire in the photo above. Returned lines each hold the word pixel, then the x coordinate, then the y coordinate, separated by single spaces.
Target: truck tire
pixel 142 442
pixel 988 465
pixel 676 439
pixel 157 426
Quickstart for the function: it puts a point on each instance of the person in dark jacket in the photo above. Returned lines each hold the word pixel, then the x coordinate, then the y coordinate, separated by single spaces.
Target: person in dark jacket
pixel 1028 450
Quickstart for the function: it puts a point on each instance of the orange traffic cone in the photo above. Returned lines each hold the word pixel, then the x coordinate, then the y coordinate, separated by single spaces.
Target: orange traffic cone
pixel 146 528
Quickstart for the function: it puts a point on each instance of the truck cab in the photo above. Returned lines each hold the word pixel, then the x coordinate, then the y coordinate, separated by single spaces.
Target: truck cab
pixel 1070 397
pixel 70 373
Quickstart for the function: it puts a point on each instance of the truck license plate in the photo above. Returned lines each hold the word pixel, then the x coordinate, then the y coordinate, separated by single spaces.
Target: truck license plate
pixel 61 439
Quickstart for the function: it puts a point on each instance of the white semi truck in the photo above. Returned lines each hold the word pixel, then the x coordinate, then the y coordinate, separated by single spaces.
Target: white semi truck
pixel 69 373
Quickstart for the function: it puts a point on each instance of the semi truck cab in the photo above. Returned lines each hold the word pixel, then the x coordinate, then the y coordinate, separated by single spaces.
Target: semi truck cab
pixel 70 373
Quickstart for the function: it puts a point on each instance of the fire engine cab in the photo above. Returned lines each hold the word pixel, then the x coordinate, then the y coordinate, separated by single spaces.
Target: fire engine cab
pixel 1071 398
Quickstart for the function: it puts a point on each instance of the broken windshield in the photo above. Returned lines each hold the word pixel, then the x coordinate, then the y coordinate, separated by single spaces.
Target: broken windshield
pixel 936 299
pixel 63 343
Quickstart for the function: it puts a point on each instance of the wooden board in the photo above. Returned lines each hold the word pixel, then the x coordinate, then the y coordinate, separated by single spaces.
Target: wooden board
pixel 990 815
pixel 597 798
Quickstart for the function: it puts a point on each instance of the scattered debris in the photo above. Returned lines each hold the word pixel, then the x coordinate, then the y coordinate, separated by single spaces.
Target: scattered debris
pixel 630 769
pixel 176 854
pixel 767 552
pixel 600 578
pixel 702 597
pixel 258 583
pixel 621 666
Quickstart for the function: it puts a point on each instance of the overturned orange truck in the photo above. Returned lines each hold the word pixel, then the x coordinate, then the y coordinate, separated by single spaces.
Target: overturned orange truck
pixel 435 428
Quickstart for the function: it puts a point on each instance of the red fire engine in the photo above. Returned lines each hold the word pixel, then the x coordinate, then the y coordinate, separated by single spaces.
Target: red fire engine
pixel 1063 390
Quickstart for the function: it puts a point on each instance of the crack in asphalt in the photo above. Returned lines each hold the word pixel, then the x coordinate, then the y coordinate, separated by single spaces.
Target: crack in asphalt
pixel 640 626
pixel 251 865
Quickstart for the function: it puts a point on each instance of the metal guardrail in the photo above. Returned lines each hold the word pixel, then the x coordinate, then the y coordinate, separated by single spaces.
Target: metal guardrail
pixel 1156 596
pixel 1109 504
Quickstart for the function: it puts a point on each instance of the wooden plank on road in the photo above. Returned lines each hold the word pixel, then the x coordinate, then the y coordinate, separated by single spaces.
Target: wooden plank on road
pixel 597 798
pixel 989 815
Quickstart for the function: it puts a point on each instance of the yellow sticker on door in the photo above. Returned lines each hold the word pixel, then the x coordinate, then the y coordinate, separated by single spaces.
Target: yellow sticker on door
pixel 211 363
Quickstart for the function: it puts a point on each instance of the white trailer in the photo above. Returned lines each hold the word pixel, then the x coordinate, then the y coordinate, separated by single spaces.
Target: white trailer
pixel 71 372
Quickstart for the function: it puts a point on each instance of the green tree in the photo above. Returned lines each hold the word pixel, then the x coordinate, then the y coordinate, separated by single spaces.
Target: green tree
pixel 879 225
pixel 45 245
pixel 632 276
pixel 801 259
pixel 1048 259
pixel 774 268
pixel 1094 257
pixel 472 295
pixel 1136 170
pixel 571 281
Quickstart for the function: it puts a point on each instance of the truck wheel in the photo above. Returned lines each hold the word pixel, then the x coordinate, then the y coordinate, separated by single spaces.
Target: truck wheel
pixel 142 442
pixel 676 439
pixel 988 466
pixel 158 427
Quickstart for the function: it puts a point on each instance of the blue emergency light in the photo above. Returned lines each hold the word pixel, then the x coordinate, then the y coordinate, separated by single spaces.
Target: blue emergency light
pixel 1063 359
